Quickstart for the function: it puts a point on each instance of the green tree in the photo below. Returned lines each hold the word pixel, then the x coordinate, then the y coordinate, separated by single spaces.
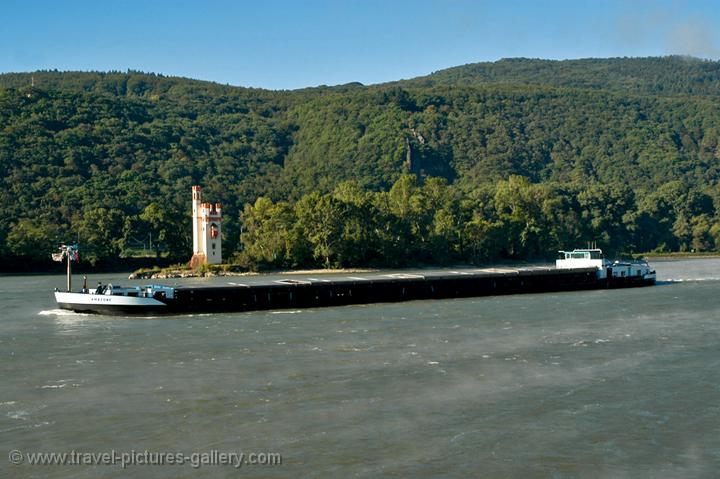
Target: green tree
pixel 519 206
pixel 169 232
pixel 359 238
pixel 99 232
pixel 268 237
pixel 321 218
pixel 33 239
pixel 606 212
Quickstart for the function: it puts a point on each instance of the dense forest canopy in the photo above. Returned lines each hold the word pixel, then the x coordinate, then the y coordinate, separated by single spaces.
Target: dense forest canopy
pixel 512 159
pixel 676 75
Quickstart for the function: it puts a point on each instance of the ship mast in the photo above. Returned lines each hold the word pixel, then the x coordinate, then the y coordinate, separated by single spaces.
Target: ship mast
pixel 69 273
pixel 70 254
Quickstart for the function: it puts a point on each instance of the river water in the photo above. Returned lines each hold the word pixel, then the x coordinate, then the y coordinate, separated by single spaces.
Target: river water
pixel 620 383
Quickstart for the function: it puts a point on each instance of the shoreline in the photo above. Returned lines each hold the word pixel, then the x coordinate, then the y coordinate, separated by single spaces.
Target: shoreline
pixel 171 273
pixel 677 256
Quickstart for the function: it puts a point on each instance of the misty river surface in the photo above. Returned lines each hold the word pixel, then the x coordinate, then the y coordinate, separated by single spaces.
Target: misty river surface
pixel 607 383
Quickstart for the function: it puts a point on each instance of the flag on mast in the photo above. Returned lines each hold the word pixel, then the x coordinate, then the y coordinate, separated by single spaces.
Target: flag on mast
pixel 71 251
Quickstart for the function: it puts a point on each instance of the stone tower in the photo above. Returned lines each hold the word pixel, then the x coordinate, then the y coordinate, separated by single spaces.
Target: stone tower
pixel 207 242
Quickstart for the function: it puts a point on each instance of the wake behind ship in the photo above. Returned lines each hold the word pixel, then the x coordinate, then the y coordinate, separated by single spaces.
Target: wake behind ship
pixel 580 269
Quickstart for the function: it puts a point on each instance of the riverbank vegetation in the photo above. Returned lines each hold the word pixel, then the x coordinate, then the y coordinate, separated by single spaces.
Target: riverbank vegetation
pixel 433 223
pixel 507 160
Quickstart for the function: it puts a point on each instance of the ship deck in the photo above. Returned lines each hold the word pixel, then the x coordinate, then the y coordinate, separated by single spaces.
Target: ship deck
pixel 308 291
pixel 322 278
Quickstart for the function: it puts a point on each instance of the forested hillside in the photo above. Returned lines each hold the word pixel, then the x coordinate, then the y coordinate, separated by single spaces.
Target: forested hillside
pixel 512 159
pixel 676 75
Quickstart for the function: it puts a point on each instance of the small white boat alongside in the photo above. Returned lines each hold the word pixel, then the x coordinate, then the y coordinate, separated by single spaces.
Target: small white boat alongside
pixel 116 299
pixel 108 298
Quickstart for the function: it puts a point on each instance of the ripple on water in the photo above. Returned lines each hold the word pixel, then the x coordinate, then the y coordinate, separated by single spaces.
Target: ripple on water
pixel 20 415
pixel 22 420
pixel 61 312
pixel 683 280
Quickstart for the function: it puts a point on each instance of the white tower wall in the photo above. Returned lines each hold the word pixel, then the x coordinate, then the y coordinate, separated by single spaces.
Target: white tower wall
pixel 211 236
pixel 207 231
pixel 196 202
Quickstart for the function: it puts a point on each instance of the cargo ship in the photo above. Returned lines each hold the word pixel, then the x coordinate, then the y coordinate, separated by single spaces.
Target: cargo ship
pixel 579 269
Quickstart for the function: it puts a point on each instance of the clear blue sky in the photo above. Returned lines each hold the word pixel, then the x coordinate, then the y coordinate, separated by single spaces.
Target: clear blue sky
pixel 292 44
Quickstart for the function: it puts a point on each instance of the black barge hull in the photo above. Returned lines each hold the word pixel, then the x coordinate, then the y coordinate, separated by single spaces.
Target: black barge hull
pixel 290 294
pixel 379 288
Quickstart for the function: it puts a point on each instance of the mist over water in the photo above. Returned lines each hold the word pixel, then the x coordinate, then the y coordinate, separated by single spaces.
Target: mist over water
pixel 620 383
